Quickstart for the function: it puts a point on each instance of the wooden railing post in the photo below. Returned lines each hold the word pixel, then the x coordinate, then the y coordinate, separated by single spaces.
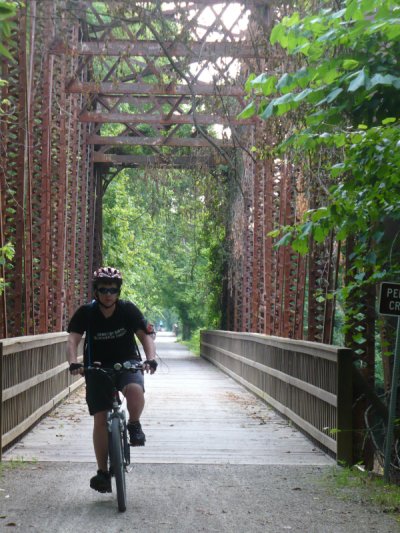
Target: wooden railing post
pixel 344 454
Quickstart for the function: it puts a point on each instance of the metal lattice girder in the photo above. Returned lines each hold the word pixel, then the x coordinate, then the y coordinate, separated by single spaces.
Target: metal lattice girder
pixel 160 120
pixel 144 161
pixel 3 206
pixel 121 140
pixel 147 89
pixel 43 172
pixel 90 64
pixel 127 48
pixel 279 277
pixel 12 183
pixel 321 273
pixel 269 293
pixel 269 252
pixel 257 299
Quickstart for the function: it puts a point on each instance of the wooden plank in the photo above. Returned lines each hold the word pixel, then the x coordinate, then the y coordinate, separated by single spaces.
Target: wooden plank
pixel 324 351
pixel 194 414
pixel 19 344
pixel 29 383
pixel 327 397
pixel 345 407
pixel 300 422
pixel 10 436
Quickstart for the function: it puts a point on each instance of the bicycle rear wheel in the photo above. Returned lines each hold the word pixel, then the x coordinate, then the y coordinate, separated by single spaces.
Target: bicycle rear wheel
pixel 117 463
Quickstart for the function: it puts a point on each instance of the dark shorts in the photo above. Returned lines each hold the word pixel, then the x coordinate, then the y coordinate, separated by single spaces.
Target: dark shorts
pixel 99 389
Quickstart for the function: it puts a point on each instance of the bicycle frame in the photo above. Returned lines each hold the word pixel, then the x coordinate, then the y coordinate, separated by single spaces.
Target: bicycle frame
pixel 117 413
pixel 118 445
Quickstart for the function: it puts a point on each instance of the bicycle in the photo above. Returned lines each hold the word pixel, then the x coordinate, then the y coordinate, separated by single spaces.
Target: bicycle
pixel 118 445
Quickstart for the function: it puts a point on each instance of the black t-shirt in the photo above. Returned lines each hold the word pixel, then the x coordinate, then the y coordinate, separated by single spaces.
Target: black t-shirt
pixel 111 339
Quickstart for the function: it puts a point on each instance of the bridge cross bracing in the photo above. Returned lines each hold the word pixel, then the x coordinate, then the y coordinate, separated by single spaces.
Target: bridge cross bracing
pixel 138 66
pixel 100 86
pixel 147 60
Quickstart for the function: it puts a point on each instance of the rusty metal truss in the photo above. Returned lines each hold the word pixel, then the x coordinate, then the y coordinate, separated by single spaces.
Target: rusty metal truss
pixel 164 75
pixel 46 187
pixel 273 290
pixel 100 86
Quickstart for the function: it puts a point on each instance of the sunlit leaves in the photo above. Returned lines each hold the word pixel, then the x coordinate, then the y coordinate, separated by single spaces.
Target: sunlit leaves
pixel 6 255
pixel 248 111
pixel 367 195
pixel 352 74
pixel 359 79
pixel 350 51
pixel 7 11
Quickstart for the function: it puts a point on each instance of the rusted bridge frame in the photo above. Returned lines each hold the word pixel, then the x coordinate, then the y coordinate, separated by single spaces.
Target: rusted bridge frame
pixel 55 160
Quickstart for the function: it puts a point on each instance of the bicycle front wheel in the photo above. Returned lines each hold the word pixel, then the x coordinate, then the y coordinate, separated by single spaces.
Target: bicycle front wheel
pixel 117 463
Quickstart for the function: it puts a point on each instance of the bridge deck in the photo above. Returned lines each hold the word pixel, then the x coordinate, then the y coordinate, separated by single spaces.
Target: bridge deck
pixel 194 414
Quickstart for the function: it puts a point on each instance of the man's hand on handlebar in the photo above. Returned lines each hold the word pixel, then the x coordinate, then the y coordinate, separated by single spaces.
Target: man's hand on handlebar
pixel 75 369
pixel 150 365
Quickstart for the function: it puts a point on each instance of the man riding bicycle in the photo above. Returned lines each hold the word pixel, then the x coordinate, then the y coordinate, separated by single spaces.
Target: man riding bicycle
pixel 110 325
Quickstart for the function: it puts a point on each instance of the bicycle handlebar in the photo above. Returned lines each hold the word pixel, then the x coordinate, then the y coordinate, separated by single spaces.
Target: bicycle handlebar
pixel 127 366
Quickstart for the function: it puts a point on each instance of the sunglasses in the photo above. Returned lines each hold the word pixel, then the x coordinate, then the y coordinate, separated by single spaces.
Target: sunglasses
pixel 108 290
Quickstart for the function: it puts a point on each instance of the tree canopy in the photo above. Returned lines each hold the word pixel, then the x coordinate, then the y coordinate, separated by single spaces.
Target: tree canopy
pixel 158 228
pixel 344 95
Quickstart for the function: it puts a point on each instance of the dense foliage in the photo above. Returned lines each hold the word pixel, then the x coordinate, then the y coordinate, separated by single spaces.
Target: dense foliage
pixel 345 95
pixel 160 230
pixel 7 12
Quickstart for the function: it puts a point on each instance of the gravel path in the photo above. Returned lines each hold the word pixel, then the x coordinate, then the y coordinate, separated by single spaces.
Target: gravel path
pixel 56 498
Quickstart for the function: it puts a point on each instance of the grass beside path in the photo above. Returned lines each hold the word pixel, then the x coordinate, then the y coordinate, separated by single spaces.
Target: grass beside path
pixel 354 484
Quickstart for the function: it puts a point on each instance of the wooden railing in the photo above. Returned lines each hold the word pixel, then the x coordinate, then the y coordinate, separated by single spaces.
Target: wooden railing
pixel 309 383
pixel 34 377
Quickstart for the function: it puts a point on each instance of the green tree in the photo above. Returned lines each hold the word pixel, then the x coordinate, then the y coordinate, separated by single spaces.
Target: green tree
pixel 8 11
pixel 345 97
pixel 158 229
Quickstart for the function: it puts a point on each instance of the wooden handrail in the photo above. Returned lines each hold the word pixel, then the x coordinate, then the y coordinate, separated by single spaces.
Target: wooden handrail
pixel 34 378
pixel 19 344
pixel 308 382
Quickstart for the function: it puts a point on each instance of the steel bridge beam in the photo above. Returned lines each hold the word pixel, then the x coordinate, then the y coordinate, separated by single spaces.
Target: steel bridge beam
pixel 194 51
pixel 143 161
pixel 121 140
pixel 162 120
pixel 147 89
